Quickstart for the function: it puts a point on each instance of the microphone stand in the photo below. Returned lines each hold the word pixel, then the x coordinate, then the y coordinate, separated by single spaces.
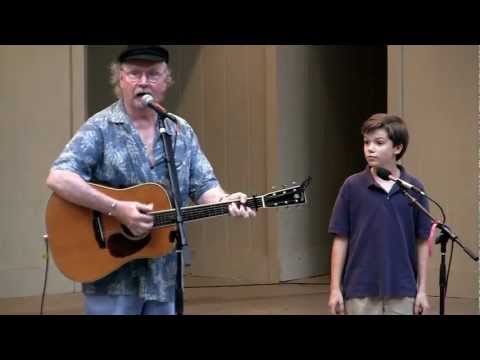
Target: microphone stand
pixel 178 236
pixel 445 235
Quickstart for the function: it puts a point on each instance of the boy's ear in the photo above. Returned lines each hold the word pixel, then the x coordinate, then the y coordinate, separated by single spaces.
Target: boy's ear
pixel 398 149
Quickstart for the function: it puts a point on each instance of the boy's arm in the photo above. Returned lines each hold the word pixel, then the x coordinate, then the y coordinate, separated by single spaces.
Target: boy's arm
pixel 421 302
pixel 339 254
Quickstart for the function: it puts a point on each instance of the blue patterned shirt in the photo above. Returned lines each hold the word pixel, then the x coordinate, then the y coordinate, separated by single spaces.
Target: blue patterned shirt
pixel 108 150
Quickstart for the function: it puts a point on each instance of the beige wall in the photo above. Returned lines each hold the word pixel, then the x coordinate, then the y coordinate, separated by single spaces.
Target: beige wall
pixel 99 92
pixel 435 88
pixel 222 91
pixel 325 93
pixel 38 102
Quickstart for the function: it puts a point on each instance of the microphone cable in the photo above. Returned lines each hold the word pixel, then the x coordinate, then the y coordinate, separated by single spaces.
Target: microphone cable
pixel 46 274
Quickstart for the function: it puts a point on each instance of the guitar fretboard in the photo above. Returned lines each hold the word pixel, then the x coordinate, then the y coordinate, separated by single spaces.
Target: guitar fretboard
pixel 191 213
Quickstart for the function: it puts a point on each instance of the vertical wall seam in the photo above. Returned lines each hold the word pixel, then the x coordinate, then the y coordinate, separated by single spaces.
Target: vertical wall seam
pixel 402 81
pixel 70 58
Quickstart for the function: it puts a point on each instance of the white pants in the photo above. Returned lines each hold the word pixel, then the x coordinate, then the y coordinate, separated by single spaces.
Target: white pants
pixel 379 306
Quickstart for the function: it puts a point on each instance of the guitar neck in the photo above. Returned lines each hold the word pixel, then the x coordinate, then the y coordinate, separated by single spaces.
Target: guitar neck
pixel 192 213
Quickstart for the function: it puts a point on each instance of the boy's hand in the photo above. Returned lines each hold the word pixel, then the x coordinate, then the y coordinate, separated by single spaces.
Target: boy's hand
pixel 335 303
pixel 421 303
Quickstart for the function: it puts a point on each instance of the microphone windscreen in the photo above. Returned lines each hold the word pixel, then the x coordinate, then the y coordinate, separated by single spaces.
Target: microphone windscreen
pixel 383 173
pixel 147 99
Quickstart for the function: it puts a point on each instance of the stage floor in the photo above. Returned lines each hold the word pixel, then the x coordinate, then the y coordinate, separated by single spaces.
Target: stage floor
pixel 209 296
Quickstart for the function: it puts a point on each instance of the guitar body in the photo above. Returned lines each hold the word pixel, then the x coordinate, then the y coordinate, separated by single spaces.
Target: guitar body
pixel 87 246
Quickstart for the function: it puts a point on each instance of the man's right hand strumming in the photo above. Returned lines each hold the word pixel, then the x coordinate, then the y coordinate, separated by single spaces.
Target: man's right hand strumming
pixel 134 215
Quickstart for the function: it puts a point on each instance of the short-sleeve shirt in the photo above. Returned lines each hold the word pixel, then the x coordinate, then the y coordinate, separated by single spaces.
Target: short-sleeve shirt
pixel 108 150
pixel 382 231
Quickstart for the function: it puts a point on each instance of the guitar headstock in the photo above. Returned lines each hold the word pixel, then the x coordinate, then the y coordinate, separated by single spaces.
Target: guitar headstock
pixel 287 196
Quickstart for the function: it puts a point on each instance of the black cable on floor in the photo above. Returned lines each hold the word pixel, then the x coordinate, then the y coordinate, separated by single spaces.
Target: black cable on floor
pixel 46 274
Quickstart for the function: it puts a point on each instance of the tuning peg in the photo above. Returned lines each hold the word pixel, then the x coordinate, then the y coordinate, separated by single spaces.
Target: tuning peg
pixel 274 187
pixel 294 183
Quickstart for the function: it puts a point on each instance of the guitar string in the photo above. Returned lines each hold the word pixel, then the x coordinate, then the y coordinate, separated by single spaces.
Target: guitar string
pixel 194 213
pixel 208 210
pixel 166 218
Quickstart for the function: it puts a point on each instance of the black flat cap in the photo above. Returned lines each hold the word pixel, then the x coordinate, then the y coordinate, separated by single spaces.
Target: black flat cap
pixel 144 52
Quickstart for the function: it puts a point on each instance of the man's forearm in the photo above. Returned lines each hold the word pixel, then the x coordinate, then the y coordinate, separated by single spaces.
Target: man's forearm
pixel 73 188
pixel 212 196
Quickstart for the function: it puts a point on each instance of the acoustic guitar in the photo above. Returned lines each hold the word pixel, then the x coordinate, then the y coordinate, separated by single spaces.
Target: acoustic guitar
pixel 87 245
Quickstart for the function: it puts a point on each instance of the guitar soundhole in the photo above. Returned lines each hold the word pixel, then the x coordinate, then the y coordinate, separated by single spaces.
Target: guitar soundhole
pixel 120 246
pixel 127 231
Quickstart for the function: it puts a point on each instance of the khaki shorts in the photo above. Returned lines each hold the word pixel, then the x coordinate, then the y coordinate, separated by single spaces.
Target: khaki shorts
pixel 380 306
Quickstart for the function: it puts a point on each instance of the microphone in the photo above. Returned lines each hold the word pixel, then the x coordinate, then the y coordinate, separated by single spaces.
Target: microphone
pixel 387 175
pixel 148 101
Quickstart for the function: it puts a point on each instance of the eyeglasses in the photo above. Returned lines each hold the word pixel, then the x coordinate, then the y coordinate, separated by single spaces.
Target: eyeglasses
pixel 153 77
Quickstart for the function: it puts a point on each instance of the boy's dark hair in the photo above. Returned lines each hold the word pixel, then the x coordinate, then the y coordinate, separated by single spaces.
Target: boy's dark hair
pixel 394 126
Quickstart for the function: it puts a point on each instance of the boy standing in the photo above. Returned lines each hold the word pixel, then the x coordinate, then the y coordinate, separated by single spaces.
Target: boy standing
pixel 379 253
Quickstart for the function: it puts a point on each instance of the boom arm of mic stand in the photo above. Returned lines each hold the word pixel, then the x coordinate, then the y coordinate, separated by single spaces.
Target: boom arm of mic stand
pixel 444 228
pixel 450 234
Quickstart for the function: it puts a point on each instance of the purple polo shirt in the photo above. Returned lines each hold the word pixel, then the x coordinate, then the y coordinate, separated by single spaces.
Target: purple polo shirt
pixel 382 230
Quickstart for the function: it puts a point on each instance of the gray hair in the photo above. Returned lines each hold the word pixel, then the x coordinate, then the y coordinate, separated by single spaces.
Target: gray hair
pixel 115 69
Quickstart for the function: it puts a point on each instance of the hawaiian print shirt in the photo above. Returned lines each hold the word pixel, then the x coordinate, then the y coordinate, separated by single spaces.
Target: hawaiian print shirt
pixel 108 150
